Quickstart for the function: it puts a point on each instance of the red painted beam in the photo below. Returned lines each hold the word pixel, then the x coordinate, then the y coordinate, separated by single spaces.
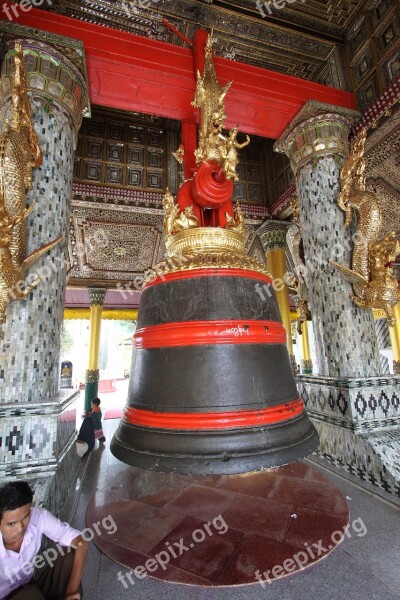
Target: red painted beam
pixel 133 73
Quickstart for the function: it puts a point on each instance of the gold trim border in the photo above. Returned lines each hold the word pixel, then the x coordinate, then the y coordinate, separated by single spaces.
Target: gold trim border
pixel 129 314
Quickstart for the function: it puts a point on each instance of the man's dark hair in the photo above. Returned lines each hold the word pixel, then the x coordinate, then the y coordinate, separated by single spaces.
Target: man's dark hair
pixel 14 495
pixel 96 401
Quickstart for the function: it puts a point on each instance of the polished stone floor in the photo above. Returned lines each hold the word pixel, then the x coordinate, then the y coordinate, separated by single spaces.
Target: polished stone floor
pixel 364 566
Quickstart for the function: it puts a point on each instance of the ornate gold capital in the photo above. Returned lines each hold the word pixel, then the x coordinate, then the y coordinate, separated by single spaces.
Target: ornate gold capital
pixel 306 366
pixel 92 375
pixel 97 296
pixel 55 72
pixel 316 131
pixel 272 234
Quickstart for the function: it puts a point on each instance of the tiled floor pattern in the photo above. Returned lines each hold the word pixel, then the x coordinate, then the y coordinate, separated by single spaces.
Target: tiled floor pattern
pixel 230 525
pixel 365 566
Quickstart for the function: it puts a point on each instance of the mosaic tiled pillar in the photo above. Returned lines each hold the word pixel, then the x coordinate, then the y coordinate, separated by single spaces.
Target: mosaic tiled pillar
pixel 348 394
pixel 38 425
pixel 384 343
pixel 273 238
pixel 96 300
pixel 317 146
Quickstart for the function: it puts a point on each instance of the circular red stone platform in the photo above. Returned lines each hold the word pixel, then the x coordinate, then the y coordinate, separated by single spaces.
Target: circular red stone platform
pixel 218 530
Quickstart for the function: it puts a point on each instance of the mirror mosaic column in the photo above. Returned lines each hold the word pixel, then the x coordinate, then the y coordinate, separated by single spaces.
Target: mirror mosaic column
pixel 355 409
pixel 38 431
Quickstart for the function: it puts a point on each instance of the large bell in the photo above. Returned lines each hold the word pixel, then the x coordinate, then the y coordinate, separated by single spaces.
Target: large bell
pixel 211 385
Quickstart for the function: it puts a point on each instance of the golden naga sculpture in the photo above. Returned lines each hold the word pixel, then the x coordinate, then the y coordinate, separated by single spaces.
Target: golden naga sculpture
pixel 374 284
pixel 299 280
pixel 19 154
pixel 209 99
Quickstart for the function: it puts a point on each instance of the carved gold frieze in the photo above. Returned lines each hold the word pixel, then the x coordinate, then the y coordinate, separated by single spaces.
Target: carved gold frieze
pixel 206 239
pixel 212 259
pixel 374 284
pixel 19 154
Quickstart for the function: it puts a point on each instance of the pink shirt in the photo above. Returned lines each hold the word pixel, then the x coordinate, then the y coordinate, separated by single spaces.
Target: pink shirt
pixel 16 568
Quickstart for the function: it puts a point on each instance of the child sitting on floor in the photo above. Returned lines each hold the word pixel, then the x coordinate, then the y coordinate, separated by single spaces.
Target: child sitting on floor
pixel 96 415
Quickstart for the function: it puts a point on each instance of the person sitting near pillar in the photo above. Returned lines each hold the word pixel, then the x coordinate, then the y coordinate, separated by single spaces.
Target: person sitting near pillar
pixel 86 440
pixel 96 415
pixel 27 570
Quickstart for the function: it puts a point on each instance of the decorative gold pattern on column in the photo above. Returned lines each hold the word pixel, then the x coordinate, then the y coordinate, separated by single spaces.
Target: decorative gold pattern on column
pixel 312 135
pixel 56 72
pixel 374 284
pixel 97 296
pixel 19 154
pixel 92 375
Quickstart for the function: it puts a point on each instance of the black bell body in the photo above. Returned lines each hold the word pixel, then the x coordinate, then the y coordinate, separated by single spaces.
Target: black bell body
pixel 211 386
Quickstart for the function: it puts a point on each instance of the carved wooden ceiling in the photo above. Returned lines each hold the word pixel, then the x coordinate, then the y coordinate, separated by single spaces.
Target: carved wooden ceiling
pixel 304 38
pixel 115 246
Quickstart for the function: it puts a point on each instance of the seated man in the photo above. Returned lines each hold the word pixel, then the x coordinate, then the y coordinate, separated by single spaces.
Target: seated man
pixel 25 572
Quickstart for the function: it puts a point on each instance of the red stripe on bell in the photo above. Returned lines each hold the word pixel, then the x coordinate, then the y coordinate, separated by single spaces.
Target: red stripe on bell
pixel 198 333
pixel 221 420
pixel 190 274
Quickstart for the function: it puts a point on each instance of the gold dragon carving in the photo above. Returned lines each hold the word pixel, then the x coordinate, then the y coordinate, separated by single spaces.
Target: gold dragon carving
pixel 299 280
pixel 374 284
pixel 19 154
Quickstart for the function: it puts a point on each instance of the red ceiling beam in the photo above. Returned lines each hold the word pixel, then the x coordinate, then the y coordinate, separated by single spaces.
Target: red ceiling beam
pixel 133 73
